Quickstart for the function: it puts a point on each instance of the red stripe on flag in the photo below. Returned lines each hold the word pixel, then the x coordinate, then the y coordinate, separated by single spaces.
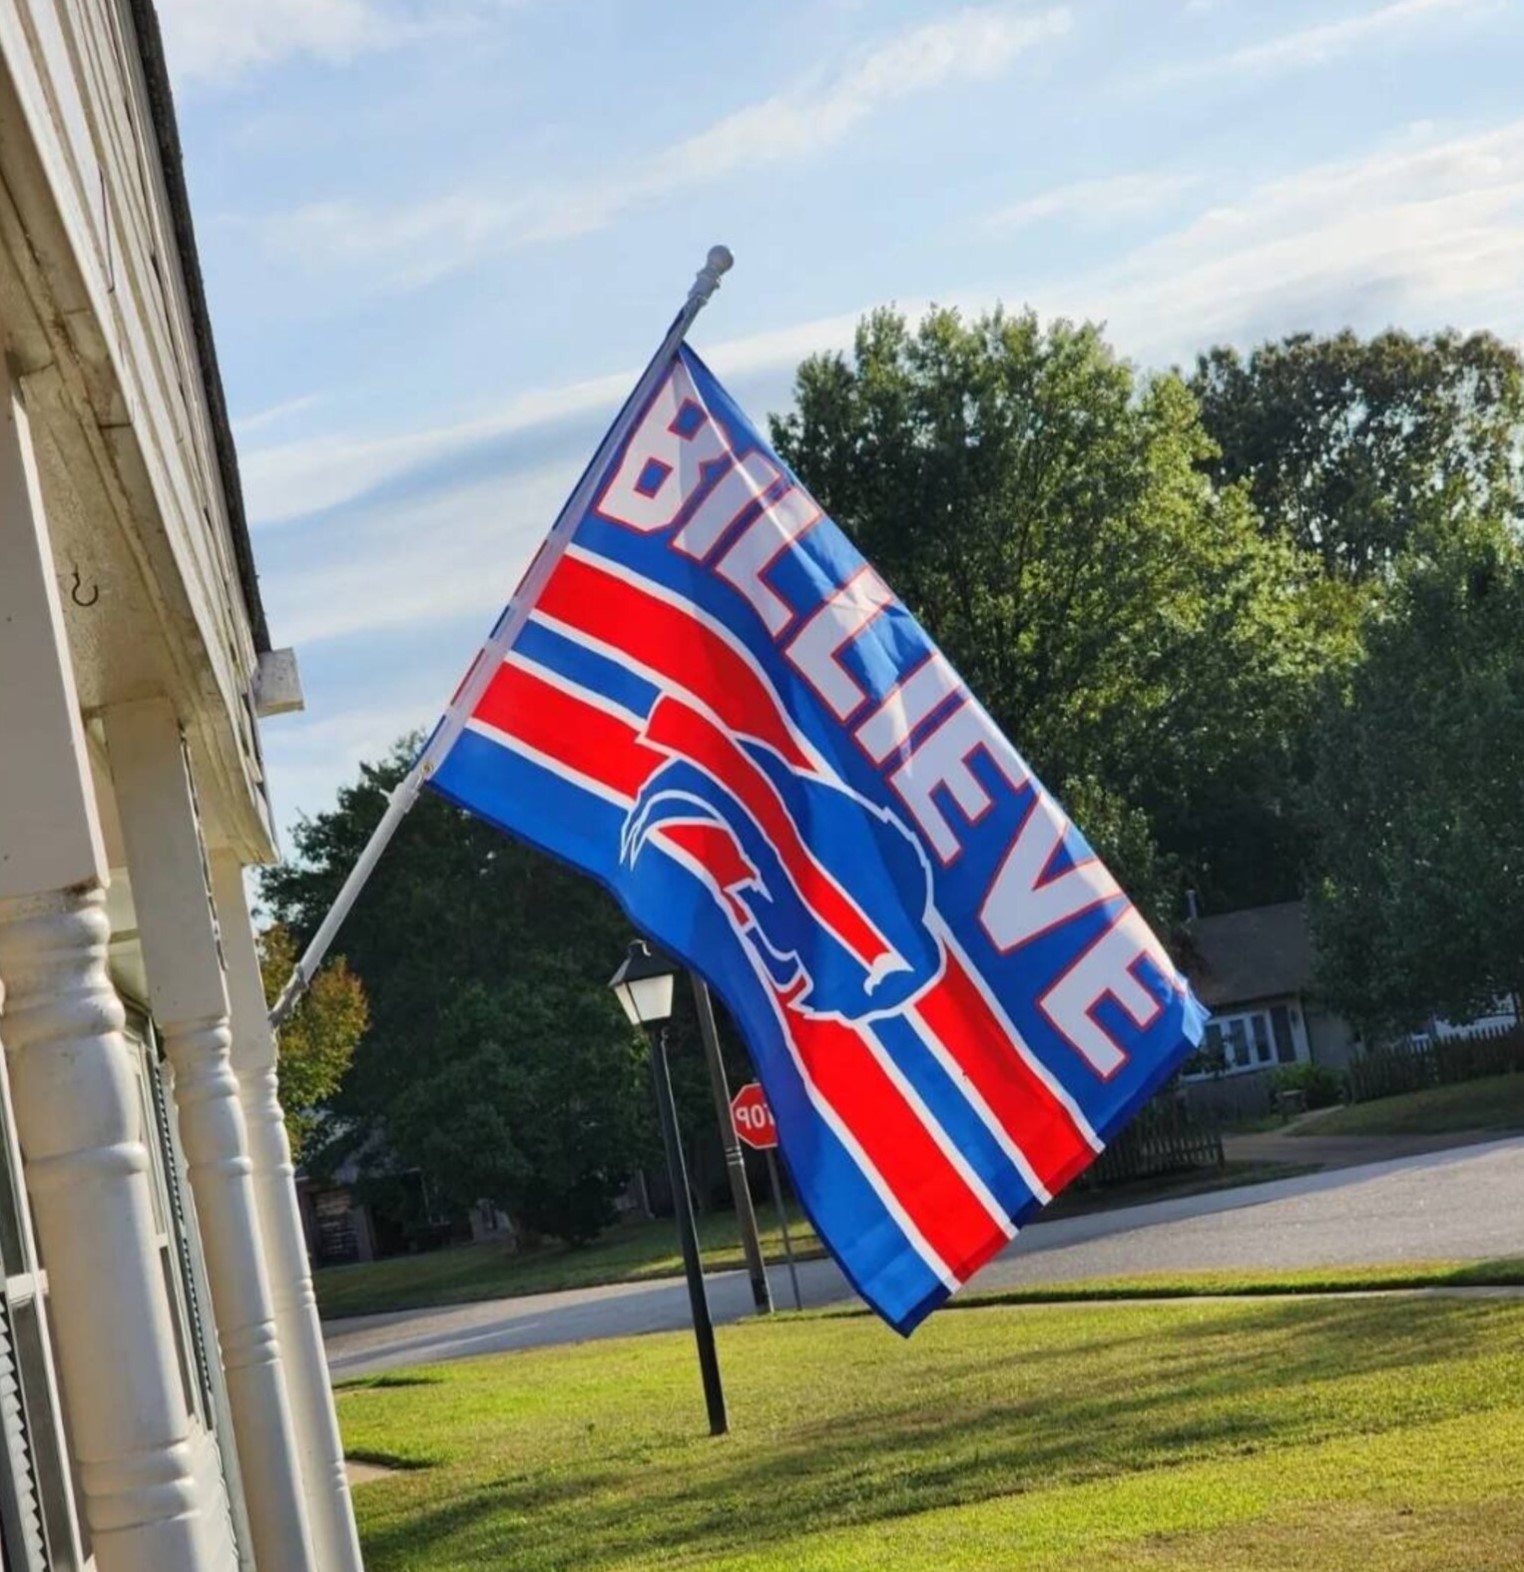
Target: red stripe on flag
pixel 1036 1122
pixel 689 735
pixel 553 722
pixel 671 642
pixel 930 1191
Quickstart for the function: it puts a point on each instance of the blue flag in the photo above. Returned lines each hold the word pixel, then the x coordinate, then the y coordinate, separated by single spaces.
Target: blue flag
pixel 707 699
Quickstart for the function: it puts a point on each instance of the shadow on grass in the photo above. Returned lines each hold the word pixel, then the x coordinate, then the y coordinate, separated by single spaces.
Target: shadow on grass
pixel 403 1465
pixel 1499 1272
pixel 964 1425
pixel 385 1382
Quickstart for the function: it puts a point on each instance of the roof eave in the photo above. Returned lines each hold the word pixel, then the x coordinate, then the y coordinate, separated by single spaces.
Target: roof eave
pixel 167 137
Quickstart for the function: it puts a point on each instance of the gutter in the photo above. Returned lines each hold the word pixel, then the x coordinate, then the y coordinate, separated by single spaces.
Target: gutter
pixel 161 108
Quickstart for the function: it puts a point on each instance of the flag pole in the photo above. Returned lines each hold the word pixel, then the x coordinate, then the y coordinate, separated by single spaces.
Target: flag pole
pixel 735 1161
pixel 490 656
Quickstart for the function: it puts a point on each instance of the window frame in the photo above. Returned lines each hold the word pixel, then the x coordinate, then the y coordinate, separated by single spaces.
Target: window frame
pixel 1252 1028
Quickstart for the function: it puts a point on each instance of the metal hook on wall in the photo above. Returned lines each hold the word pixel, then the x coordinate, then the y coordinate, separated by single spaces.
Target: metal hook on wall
pixel 77 595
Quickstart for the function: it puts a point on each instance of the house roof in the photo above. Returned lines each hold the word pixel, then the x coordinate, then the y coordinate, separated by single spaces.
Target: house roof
pixel 1252 954
pixel 167 138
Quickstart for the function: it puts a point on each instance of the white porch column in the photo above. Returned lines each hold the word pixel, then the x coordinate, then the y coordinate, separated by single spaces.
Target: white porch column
pixel 166 862
pixel 301 1340
pixel 73 1079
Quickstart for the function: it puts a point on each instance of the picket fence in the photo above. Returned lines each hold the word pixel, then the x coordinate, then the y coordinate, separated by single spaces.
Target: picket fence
pixel 1162 1139
pixel 1390 1071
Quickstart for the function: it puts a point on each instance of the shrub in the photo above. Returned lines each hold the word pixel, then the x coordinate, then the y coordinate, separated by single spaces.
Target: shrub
pixel 1317 1081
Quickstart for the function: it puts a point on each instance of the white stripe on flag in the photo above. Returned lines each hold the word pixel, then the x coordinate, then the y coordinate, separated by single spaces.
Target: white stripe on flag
pixel 1038 1068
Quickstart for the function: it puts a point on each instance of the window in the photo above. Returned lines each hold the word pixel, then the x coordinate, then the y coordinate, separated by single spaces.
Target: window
pixel 1248 1040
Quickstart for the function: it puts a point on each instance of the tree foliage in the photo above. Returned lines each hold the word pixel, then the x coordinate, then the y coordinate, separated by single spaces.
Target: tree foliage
pixel 1394 467
pixel 528 1092
pixel 496 1059
pixel 1045 512
pixel 1348 446
pixel 1420 910
pixel 318 1039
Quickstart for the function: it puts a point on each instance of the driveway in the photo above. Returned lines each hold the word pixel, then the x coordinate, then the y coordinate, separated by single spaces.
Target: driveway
pixel 1463 1203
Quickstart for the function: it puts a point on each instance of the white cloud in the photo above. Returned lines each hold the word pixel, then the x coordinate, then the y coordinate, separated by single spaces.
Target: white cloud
pixel 289 480
pixel 219 39
pixel 1109 197
pixel 418 243
pixel 1430 226
pixel 1423 231
pixel 216 41
pixel 407 564
pixel 976 44
pixel 1314 46
pixel 286 482
pixel 275 415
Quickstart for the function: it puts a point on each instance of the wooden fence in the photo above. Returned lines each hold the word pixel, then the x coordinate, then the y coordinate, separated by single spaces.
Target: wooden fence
pixel 1228 1100
pixel 1162 1139
pixel 1390 1071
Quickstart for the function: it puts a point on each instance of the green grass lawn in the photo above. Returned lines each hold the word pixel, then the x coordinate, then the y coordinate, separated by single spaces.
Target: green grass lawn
pixel 637 1251
pixel 1494 1103
pixel 1197 1436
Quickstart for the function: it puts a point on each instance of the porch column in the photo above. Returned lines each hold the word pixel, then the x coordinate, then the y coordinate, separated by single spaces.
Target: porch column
pixel 166 863
pixel 301 1340
pixel 73 1078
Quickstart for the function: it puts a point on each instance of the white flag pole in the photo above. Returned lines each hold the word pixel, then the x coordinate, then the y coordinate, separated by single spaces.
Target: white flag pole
pixel 491 654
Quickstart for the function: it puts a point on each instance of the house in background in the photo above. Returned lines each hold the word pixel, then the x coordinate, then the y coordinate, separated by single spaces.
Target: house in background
pixel 164 1399
pixel 1253 970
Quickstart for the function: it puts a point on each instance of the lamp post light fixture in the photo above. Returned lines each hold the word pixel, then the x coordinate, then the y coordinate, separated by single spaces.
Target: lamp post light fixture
pixel 643 986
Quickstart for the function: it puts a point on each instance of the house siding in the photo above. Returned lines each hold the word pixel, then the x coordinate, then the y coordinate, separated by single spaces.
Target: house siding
pixel 1333 1043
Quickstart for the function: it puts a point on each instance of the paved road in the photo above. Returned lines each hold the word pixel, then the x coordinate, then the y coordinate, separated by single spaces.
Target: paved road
pixel 1465 1203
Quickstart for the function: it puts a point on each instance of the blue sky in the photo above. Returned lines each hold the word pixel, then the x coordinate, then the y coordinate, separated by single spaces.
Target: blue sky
pixel 440 238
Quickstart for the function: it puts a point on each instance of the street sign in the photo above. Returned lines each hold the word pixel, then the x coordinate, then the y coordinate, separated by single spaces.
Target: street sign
pixel 753 1119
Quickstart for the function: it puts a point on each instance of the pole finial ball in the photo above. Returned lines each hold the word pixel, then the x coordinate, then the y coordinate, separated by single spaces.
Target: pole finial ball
pixel 708 277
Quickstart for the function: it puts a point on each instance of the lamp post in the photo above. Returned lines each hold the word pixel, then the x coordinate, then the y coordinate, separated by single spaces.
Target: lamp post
pixel 643 986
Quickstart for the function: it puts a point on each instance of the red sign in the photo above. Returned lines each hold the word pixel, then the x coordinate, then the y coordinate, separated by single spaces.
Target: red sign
pixel 752 1117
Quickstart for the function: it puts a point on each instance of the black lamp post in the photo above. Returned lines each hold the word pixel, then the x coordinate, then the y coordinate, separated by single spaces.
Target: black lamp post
pixel 643 986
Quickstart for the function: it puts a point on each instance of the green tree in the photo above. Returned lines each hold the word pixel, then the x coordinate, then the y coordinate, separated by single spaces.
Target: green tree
pixel 1349 445
pixel 1046 513
pixel 533 1092
pixel 496 1060
pixel 1421 907
pixel 318 1039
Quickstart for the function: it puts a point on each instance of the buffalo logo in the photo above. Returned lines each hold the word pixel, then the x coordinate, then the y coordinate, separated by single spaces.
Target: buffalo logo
pixel 831 893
